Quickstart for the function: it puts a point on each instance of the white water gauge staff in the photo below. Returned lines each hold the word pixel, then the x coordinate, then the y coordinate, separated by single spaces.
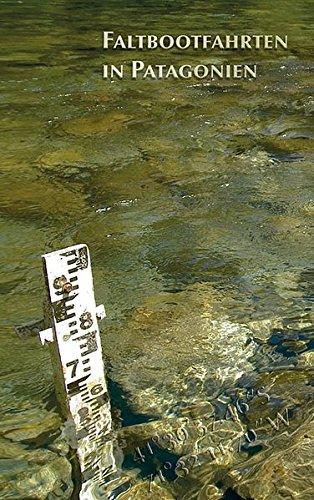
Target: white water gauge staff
pixel 76 355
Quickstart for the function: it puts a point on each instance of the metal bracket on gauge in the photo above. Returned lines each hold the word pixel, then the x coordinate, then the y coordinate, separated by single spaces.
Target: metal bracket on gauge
pixel 74 341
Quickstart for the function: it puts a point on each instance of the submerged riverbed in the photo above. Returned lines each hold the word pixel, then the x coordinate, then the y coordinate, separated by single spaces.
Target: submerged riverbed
pixel 195 201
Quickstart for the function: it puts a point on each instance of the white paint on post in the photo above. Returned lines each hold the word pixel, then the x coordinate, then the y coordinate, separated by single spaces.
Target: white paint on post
pixel 78 365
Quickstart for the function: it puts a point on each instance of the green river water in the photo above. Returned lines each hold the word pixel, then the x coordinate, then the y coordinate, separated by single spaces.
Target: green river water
pixel 194 198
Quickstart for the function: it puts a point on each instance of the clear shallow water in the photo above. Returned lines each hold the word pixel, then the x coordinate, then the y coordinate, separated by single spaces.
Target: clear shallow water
pixel 195 201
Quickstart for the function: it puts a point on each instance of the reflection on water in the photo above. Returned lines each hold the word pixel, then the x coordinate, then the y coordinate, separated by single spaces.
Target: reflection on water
pixel 195 201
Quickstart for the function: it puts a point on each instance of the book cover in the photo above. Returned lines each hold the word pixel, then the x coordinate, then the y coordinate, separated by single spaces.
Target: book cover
pixel 156 281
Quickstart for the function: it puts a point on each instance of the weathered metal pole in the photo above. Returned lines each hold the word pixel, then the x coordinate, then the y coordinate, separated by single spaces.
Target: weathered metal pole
pixel 75 347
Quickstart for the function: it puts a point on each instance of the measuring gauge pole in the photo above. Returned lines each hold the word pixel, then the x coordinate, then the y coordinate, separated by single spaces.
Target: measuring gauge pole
pixel 75 347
